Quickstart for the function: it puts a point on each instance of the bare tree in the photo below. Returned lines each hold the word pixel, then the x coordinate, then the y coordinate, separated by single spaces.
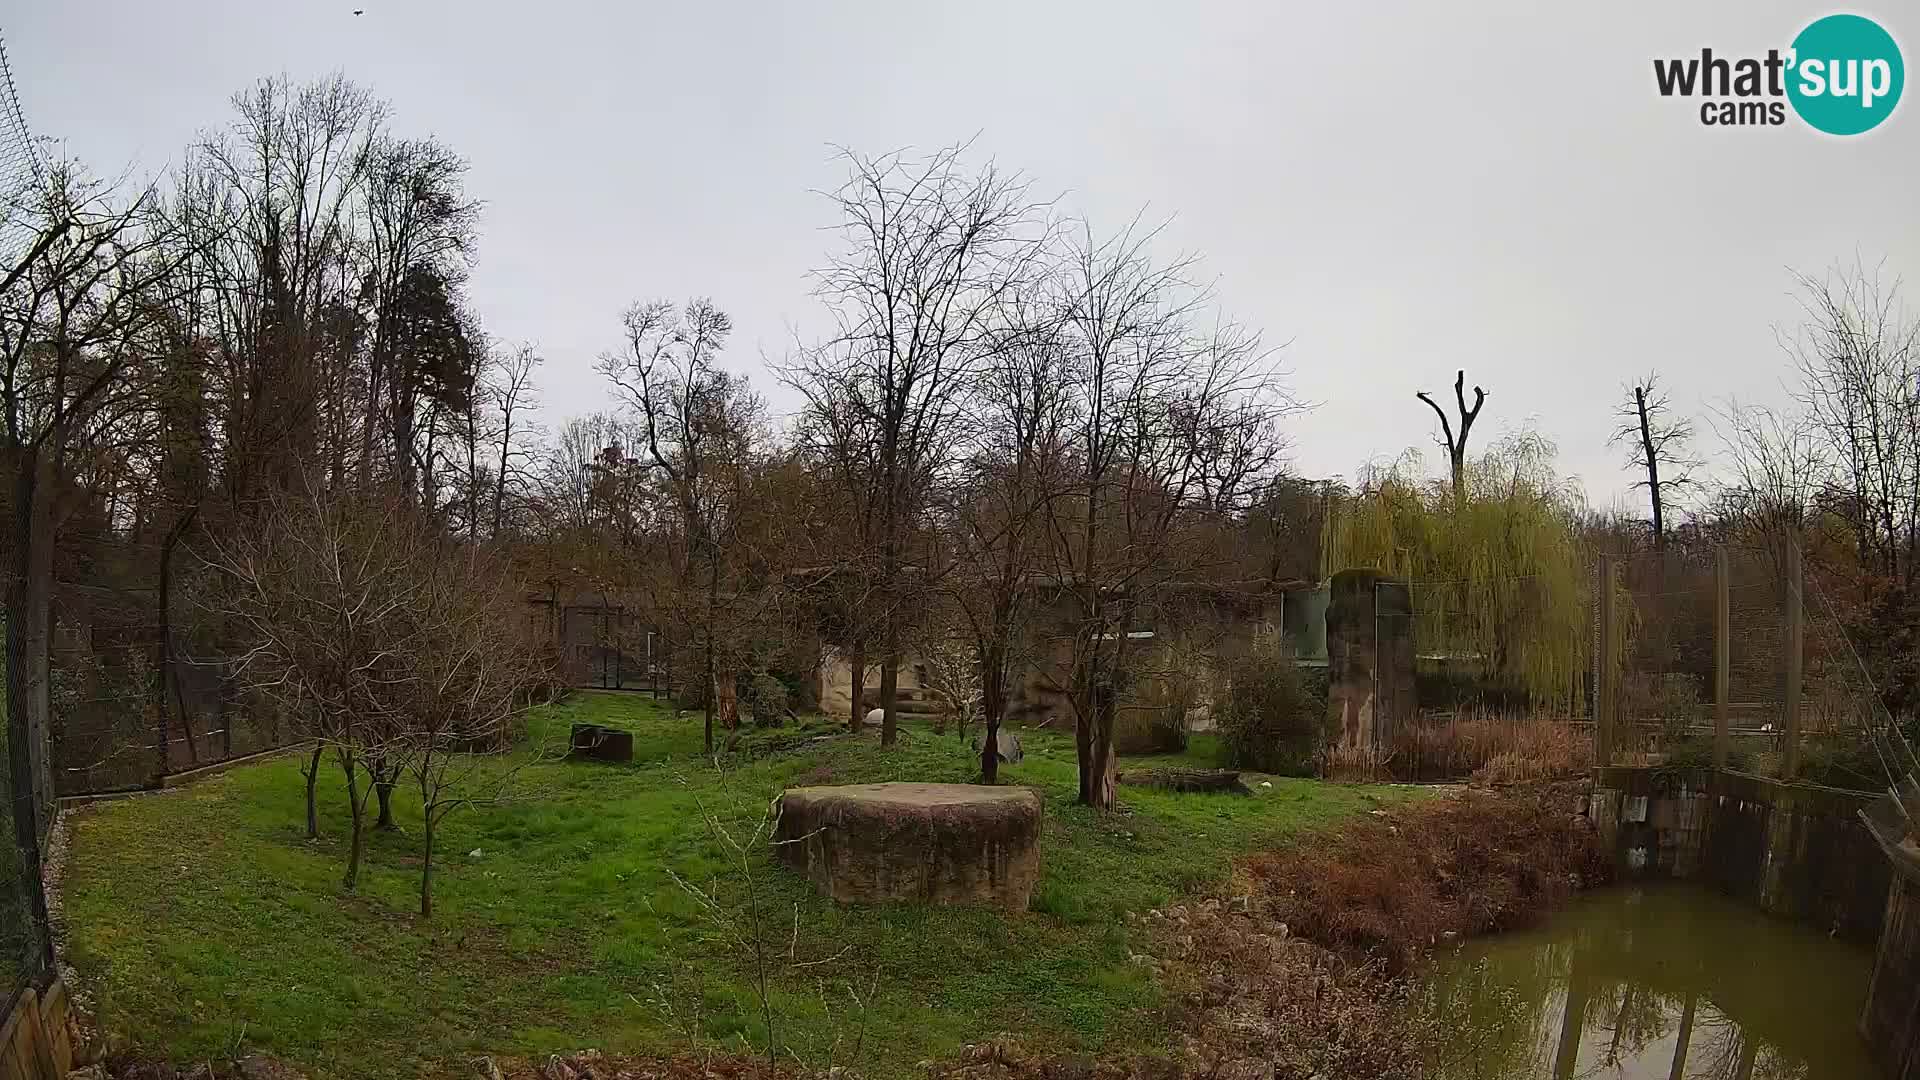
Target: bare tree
pixel 473 677
pixel 995 503
pixel 1659 444
pixel 1776 469
pixel 929 249
pixel 511 393
pixel 837 500
pixel 324 595
pixel 1456 446
pixel 78 352
pixel 1172 420
pixel 1858 357
pixel 700 431
pixel 280 189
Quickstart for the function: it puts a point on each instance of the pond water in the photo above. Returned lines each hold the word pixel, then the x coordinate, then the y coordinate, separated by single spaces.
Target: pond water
pixel 1665 981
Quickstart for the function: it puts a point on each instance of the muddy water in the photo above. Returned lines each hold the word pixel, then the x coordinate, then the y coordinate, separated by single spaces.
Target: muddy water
pixel 1661 982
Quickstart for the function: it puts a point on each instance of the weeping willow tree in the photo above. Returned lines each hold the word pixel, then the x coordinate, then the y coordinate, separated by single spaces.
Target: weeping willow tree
pixel 1499 580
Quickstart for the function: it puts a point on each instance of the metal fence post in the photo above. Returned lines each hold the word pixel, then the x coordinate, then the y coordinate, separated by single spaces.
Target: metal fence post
pixel 1605 685
pixel 1796 638
pixel 1722 657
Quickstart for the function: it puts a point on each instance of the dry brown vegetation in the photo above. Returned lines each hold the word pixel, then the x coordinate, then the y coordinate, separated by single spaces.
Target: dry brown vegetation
pixel 1387 888
pixel 1306 973
pixel 1492 748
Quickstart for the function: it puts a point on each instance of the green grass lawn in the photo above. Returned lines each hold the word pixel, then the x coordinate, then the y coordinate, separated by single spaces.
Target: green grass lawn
pixel 205 921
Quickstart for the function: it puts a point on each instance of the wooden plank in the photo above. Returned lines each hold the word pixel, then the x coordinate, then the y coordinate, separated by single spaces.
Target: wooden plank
pixel 38 1054
pixel 16 1061
pixel 54 1007
pixel 1722 661
pixel 13 1065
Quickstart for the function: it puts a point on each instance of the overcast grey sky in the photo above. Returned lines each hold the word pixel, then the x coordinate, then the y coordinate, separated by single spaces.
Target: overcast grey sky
pixel 1393 189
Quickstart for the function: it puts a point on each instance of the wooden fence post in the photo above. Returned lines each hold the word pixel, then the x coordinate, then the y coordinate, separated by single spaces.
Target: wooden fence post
pixel 1604 683
pixel 1796 640
pixel 1722 657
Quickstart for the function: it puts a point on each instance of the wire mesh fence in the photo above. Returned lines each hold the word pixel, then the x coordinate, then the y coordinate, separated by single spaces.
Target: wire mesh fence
pixel 140 689
pixel 1510 677
pixel 25 953
pixel 1734 635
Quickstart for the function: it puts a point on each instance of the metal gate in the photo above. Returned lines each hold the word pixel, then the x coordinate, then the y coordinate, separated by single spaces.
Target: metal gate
pixel 611 650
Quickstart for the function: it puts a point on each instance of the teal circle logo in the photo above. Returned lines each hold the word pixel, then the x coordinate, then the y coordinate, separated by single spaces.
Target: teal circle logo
pixel 1845 75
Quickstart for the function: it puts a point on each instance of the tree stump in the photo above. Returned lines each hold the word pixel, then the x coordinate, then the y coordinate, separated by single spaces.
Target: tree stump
pixel 922 843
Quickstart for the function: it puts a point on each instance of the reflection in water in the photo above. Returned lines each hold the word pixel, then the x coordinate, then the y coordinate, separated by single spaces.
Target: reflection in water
pixel 1659 982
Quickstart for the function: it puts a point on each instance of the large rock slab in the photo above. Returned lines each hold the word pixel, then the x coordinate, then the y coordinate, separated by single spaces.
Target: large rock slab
pixel 920 843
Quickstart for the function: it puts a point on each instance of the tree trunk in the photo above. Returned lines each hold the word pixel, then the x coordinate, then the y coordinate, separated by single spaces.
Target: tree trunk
pixel 426 866
pixel 1651 454
pixel 857 677
pixel 1083 724
pixel 890 683
pixel 1102 775
pixel 163 650
pixel 356 808
pixel 713 698
pixel 403 419
pixel 1093 734
pixel 1573 1023
pixel 1680 1041
pixel 993 691
pixel 1620 1026
pixel 312 773
pixel 383 779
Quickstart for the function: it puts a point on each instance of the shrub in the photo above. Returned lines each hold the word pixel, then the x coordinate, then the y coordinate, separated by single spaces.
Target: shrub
pixel 764 698
pixel 1849 763
pixel 1696 752
pixel 1268 718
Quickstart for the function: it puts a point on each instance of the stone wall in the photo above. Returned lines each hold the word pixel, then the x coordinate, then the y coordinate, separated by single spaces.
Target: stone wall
pixel 836 682
pixel 1795 850
pixel 1370 692
pixel 1891 1020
